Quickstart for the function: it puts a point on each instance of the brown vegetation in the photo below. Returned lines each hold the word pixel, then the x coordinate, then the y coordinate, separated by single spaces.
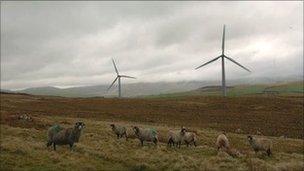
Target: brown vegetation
pixel 274 116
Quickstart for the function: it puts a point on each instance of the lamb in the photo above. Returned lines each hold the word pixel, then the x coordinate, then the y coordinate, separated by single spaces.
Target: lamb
pixel 188 137
pixel 222 142
pixel 146 135
pixel 174 138
pixel 260 144
pixel 120 131
pixel 60 136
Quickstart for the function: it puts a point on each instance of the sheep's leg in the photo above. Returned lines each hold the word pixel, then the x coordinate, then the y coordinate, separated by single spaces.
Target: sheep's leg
pixel 54 145
pixel 71 146
pixel 142 142
pixel 170 142
pixel 117 136
pixel 126 136
pixel 155 141
pixel 49 143
pixel 194 143
pixel 268 152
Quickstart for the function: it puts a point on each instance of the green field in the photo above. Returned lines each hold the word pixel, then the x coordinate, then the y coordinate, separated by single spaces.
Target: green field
pixel 290 88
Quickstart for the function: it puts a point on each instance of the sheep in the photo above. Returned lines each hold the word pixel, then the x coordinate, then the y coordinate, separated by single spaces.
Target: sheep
pixel 260 144
pixel 60 136
pixel 188 137
pixel 222 141
pixel 174 138
pixel 25 117
pixel 146 135
pixel 120 131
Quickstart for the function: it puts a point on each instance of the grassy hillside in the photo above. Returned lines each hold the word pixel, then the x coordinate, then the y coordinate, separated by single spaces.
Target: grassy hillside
pixel 289 88
pixel 98 149
pixel 23 143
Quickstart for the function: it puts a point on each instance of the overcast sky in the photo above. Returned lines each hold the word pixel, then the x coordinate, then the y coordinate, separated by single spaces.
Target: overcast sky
pixel 71 43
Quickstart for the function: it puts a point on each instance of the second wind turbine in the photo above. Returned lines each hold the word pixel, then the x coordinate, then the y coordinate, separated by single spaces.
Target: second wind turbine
pixel 223 56
pixel 118 77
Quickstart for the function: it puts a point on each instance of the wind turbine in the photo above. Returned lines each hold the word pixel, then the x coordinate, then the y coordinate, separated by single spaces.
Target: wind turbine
pixel 223 56
pixel 118 77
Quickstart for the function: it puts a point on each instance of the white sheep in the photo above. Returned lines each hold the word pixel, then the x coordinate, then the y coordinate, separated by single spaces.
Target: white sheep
pixel 260 144
pixel 174 138
pixel 120 131
pixel 146 135
pixel 188 137
pixel 222 142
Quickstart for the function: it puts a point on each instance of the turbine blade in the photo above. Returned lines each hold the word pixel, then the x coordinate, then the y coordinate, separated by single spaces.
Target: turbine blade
pixel 209 62
pixel 112 83
pixel 223 41
pixel 115 67
pixel 237 63
pixel 127 76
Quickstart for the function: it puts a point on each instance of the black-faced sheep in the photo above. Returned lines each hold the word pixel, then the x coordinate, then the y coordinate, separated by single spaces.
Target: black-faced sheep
pixel 120 131
pixel 222 142
pixel 60 136
pixel 188 137
pixel 260 144
pixel 149 135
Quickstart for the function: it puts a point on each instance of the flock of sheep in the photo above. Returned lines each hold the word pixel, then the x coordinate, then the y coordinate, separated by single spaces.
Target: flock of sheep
pixel 61 136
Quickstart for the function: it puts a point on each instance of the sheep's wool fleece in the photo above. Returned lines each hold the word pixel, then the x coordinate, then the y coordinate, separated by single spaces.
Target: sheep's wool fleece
pixel 56 128
pixel 154 133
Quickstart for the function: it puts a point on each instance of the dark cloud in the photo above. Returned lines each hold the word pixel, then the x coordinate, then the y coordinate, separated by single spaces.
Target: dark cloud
pixel 71 43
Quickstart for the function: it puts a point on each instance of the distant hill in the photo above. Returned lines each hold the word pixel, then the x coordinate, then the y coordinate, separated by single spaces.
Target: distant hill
pixel 128 90
pixel 6 91
pixel 282 88
pixel 252 85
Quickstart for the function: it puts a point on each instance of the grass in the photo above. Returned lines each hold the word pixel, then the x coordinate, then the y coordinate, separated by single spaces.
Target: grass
pixel 290 88
pixel 23 143
pixel 98 149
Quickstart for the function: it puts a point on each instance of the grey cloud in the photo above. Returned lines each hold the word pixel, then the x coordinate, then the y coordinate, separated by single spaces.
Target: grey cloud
pixel 71 43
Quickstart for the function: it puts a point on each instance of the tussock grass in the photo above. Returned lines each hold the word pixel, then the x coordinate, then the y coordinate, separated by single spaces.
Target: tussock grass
pixel 99 149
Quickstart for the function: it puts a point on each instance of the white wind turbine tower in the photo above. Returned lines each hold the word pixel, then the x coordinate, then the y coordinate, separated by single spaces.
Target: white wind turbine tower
pixel 118 77
pixel 223 56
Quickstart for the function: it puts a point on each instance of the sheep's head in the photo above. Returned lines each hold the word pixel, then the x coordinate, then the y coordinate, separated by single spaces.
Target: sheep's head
pixel 112 125
pixel 250 138
pixel 79 125
pixel 224 132
pixel 136 129
pixel 183 129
